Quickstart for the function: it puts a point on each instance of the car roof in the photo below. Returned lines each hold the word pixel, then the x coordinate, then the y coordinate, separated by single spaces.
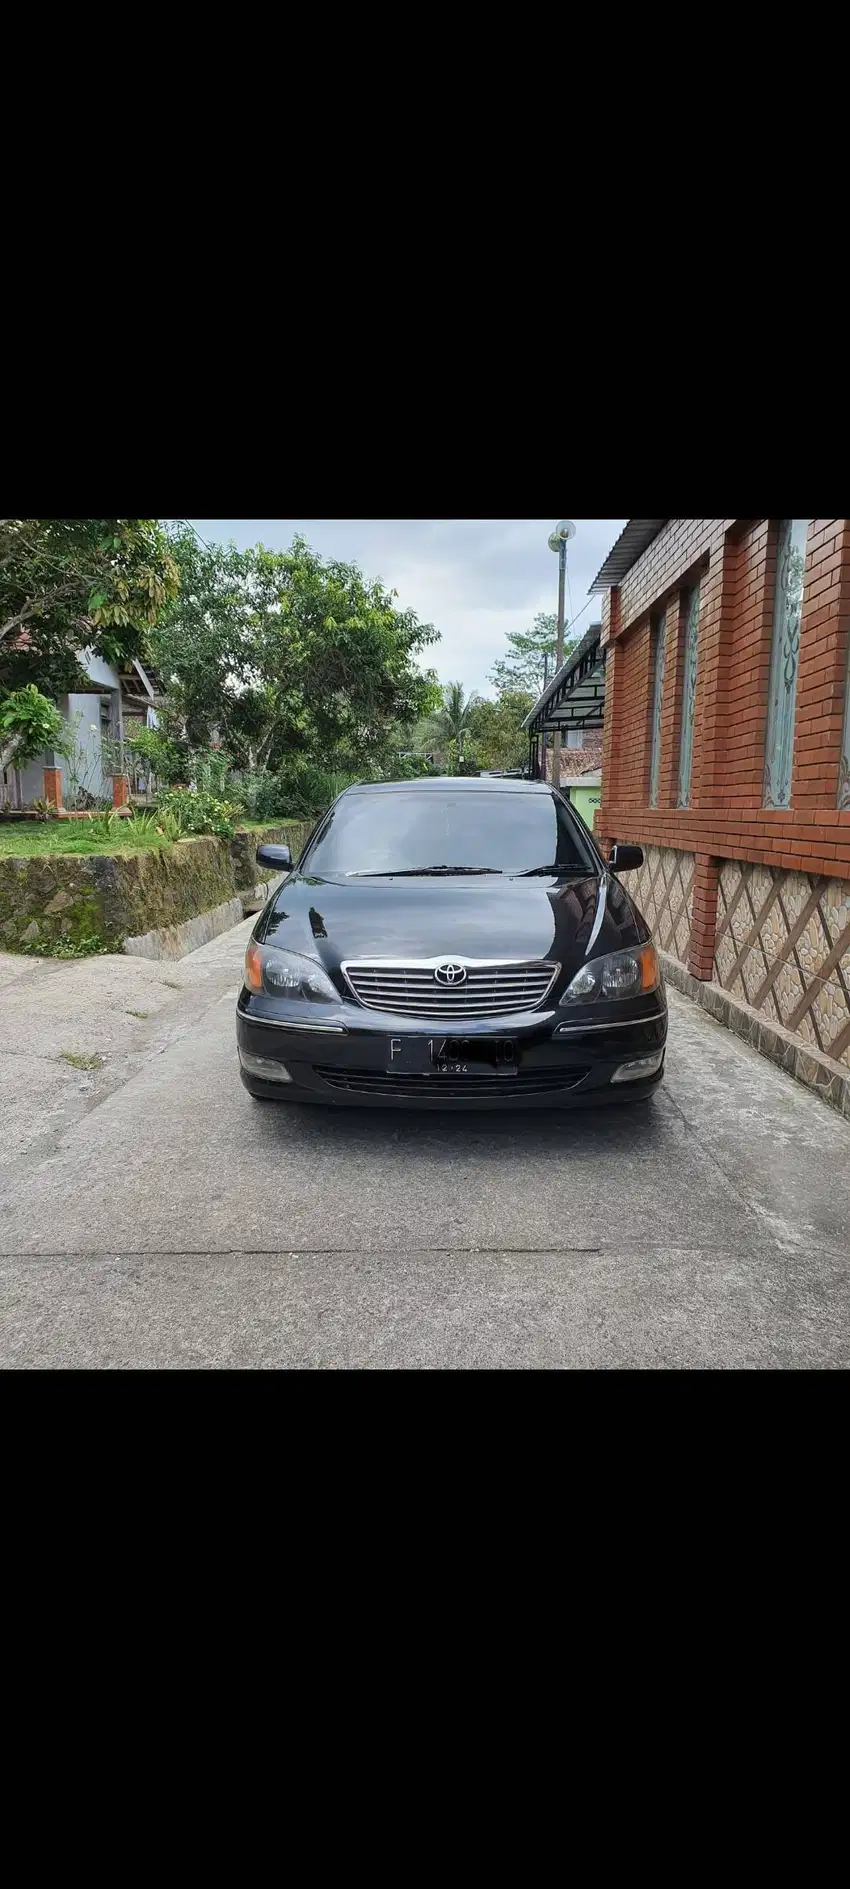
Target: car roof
pixel 465 783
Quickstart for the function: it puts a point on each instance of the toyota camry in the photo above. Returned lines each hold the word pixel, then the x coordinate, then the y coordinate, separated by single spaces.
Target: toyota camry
pixel 451 943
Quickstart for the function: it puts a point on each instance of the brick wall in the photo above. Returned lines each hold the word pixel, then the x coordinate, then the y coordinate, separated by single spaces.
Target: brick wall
pixel 734 562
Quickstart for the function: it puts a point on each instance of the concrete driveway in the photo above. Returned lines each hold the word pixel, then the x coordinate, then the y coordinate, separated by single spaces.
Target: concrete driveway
pixel 152 1215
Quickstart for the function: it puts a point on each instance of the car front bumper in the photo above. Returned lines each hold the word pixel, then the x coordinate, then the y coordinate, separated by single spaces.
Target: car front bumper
pixel 559 1062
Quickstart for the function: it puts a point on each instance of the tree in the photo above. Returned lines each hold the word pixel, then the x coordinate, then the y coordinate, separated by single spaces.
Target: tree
pixel 530 661
pixel 201 644
pixel 451 720
pixel 497 731
pixel 68 584
pixel 284 655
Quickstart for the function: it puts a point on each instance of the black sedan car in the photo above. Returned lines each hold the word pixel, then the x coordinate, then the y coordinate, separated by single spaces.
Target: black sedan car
pixel 451 943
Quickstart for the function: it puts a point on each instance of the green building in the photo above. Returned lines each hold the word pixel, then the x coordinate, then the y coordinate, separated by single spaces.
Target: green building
pixel 585 792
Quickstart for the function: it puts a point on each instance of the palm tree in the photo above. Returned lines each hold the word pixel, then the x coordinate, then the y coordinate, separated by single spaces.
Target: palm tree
pixel 452 720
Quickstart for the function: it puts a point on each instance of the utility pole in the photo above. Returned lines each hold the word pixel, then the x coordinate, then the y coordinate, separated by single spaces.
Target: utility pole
pixel 559 657
pixel 558 542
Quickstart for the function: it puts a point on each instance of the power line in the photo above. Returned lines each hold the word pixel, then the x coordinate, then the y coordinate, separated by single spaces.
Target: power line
pixel 191 527
pixel 584 607
pixel 569 586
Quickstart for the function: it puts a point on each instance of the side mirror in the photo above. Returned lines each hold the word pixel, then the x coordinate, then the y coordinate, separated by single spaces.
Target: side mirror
pixel 625 858
pixel 278 856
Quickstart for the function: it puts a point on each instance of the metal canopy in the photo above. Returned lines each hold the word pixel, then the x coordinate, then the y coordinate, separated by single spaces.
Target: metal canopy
pixel 631 544
pixel 575 697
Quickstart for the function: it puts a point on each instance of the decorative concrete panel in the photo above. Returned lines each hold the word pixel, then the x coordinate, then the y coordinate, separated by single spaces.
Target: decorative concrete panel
pixel 783 947
pixel 663 888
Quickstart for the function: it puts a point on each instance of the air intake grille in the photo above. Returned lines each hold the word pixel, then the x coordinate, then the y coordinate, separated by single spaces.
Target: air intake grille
pixel 494 1088
pixel 487 990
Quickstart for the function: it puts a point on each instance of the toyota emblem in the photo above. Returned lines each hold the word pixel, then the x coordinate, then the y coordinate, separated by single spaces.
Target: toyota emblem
pixel 450 973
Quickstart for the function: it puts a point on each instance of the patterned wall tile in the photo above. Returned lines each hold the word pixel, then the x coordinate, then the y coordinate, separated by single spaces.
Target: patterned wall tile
pixel 725 958
pixel 813 946
pixel 761 884
pixel 664 891
pixel 794 893
pixel 783 945
pixel 836 905
pixel 829 1011
pixel 773 934
pixel 807 1033
pixel 789 989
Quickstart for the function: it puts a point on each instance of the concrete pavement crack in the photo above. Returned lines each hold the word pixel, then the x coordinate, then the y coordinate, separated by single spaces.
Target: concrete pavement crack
pixel 784 1234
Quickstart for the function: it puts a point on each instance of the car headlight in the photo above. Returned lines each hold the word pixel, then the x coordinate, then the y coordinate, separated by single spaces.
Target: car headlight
pixel 620 974
pixel 287 974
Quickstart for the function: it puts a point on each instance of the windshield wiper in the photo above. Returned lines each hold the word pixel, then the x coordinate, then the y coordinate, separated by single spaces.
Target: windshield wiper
pixel 422 872
pixel 546 872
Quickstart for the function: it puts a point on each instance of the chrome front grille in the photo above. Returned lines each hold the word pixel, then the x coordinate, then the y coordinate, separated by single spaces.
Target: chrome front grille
pixel 489 988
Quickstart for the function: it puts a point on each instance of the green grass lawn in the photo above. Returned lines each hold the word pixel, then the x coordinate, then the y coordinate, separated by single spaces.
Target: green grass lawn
pixel 28 839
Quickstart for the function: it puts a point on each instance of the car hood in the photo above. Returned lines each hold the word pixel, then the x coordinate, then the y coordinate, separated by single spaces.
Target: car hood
pixel 335 919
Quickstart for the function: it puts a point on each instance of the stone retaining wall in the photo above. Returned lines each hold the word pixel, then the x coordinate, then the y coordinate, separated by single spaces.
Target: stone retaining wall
pixel 108 897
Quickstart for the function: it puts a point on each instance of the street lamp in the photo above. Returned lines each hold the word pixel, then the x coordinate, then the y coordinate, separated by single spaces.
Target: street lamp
pixel 558 541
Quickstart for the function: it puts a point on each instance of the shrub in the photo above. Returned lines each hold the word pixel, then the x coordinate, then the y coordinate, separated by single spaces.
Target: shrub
pixel 407 767
pixel 154 753
pixel 167 824
pixel 307 790
pixel 199 812
pixel 103 826
pixel 272 798
pixel 247 789
pixel 210 771
pixel 29 723
pixel 88 946
pixel 149 826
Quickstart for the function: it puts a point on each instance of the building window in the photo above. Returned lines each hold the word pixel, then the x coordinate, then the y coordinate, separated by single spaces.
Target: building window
pixel 575 737
pixel 844 767
pixel 784 661
pixel 689 696
pixel 659 635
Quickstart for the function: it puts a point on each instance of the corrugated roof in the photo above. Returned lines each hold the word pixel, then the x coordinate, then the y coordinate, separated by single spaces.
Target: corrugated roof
pixel 631 544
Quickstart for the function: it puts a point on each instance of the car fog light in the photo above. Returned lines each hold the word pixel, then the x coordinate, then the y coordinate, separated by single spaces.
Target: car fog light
pixel 640 1067
pixel 265 1067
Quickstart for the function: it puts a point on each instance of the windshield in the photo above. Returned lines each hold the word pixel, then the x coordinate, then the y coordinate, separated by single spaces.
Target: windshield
pixel 448 833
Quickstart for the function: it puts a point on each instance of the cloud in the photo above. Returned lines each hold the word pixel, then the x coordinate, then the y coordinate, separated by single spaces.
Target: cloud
pixel 473 578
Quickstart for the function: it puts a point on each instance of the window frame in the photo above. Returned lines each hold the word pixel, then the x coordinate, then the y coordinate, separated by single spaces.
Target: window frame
pixel 785 638
pixel 657 666
pixel 843 799
pixel 690 675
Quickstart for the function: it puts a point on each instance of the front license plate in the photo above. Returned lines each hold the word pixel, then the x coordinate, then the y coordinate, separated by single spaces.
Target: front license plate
pixel 452 1055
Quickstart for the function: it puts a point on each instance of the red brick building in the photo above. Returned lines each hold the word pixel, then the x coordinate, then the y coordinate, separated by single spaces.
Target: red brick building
pixel 727 757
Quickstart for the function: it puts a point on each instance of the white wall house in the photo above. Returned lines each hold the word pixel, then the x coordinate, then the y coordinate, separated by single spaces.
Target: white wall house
pixel 91 715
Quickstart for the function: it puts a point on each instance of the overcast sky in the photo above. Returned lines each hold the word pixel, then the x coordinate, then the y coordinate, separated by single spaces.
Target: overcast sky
pixel 473 578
